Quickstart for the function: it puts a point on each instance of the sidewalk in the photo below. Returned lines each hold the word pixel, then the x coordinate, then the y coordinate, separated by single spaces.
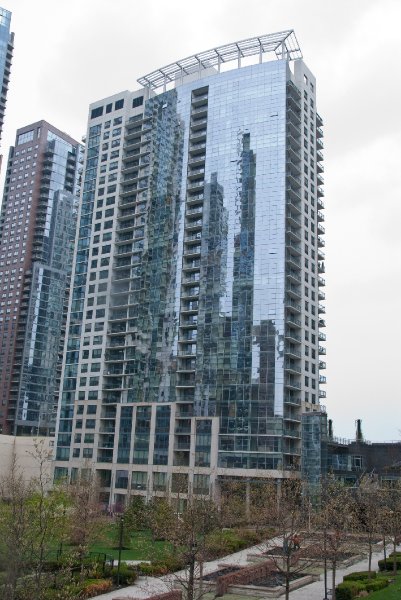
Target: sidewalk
pixel 147 586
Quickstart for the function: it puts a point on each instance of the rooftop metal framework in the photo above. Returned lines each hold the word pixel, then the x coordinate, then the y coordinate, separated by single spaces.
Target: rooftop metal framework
pixel 284 44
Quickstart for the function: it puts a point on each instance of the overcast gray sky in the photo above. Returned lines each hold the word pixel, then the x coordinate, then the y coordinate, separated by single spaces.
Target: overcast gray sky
pixel 69 53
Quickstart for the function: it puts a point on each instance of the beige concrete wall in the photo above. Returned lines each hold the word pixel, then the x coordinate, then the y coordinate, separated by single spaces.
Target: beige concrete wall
pixel 24 449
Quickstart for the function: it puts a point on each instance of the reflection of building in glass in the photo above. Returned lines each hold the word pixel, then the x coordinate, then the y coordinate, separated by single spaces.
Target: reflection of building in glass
pixel 38 224
pixel 206 348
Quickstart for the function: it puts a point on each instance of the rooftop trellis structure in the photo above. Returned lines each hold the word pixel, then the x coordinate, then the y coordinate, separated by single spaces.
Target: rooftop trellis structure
pixel 283 44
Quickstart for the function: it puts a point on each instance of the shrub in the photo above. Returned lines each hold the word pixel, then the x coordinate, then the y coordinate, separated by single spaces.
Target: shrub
pixel 360 576
pixel 94 587
pixel 153 569
pixel 376 584
pixel 220 543
pixel 128 575
pixel 388 565
pixel 349 589
pixel 250 537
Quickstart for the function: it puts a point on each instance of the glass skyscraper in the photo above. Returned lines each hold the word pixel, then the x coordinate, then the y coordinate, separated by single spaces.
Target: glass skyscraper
pixel 37 231
pixel 194 332
pixel 6 53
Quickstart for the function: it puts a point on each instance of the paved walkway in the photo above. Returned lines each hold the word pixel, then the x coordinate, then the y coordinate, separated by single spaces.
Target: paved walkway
pixel 147 586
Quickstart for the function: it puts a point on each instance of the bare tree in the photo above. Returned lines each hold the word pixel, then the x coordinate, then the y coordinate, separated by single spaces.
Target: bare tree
pixel 15 525
pixel 187 533
pixel 366 503
pixel 336 522
pixel 282 509
pixel 86 519
pixel 392 517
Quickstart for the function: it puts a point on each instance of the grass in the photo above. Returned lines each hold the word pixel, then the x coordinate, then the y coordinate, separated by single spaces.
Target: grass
pixel 392 592
pixel 142 546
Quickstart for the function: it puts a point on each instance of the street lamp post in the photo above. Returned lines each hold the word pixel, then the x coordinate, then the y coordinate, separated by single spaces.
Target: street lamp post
pixel 120 546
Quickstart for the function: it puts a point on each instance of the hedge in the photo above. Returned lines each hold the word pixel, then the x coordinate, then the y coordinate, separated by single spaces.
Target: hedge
pixel 360 576
pixel 376 584
pixel 126 576
pixel 349 589
pixel 388 565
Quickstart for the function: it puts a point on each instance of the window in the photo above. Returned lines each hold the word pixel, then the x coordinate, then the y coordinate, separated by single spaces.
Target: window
pixel 109 108
pixel 25 137
pixel 96 112
pixel 137 101
pixel 119 104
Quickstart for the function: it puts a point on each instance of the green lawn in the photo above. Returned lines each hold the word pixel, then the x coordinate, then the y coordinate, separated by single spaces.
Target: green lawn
pixel 142 546
pixel 392 592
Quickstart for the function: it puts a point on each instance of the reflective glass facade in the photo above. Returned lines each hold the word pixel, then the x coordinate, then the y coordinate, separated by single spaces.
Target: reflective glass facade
pixel 6 52
pixel 207 347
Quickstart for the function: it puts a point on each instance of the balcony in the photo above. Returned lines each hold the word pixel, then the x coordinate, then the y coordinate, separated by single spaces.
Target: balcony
pixel 291 305
pixel 293 261
pixel 293 168
pixel 293 277
pixel 293 182
pixel 197 210
pixel 321 309
pixel 320 229
pixel 292 367
pixel 293 142
pixel 197 136
pixel 293 322
pixel 199 123
pixel 292 384
pixel 196 184
pixel 294 247
pixel 322 394
pixel 293 198
pixel 194 224
pixel 196 148
pixel 292 219
pixel 321 282
pixel 322 379
pixel 322 365
pixel 195 173
pixel 201 110
pixel 322 336
pixel 293 291
pixel 192 251
pixel 291 352
pixel 294 433
pixel 293 117
pixel 322 350
pixel 293 234
pixel 293 337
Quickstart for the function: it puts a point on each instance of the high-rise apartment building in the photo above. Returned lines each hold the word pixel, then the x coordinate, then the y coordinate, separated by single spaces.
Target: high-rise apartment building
pixel 37 230
pixel 195 323
pixel 6 54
